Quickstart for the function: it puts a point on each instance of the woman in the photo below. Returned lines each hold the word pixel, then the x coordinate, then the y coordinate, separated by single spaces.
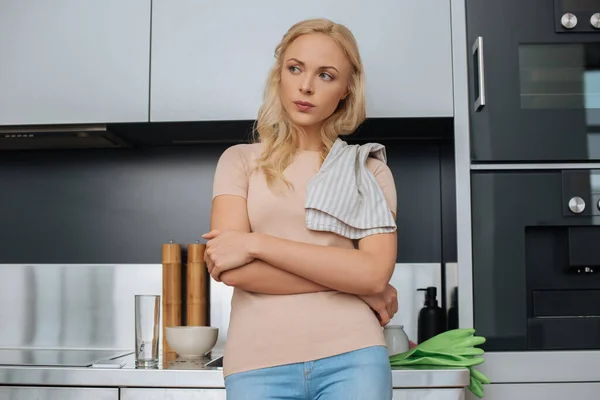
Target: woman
pixel 302 324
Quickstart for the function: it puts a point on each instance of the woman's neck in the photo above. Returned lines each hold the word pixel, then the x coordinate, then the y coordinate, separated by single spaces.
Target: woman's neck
pixel 310 140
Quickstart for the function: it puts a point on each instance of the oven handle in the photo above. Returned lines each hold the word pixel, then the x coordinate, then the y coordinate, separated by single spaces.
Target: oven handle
pixel 478 67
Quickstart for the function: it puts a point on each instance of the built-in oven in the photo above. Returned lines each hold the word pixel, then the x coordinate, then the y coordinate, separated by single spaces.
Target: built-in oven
pixel 534 87
pixel 536 259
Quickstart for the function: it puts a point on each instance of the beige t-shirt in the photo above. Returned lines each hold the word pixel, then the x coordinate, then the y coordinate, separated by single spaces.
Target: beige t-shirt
pixel 270 330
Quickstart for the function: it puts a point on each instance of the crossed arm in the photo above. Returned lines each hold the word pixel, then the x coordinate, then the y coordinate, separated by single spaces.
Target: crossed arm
pixel 280 266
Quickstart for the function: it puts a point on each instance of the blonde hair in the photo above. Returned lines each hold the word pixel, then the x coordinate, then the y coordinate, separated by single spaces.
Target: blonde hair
pixel 274 129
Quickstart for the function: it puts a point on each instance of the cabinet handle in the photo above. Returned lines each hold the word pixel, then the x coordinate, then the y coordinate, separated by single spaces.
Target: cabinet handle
pixel 479 74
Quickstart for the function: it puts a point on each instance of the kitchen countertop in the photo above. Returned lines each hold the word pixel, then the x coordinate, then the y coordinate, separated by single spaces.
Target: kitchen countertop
pixel 180 374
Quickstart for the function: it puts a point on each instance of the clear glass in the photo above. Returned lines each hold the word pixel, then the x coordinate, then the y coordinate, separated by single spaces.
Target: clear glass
pixel 147 315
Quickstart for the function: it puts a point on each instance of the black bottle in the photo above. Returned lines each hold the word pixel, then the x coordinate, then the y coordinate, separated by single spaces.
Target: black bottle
pixel 432 319
pixel 453 310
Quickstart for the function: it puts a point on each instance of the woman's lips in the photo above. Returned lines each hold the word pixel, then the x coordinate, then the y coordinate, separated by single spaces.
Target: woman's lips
pixel 303 105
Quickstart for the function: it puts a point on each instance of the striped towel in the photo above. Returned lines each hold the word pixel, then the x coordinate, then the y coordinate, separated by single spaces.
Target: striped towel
pixel 345 197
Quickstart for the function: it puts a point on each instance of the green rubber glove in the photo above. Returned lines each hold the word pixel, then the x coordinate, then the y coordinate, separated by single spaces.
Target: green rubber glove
pixel 476 388
pixel 438 359
pixel 456 340
pixel 477 380
pixel 455 348
pixel 418 352
pixel 479 376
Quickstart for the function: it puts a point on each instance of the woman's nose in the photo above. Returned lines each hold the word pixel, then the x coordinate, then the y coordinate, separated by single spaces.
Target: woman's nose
pixel 306 86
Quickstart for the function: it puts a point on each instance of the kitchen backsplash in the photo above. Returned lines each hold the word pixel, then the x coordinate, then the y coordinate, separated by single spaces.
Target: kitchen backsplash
pixel 119 206
pixel 73 306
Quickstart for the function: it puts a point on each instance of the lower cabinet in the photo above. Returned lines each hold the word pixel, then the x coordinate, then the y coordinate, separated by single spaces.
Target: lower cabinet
pixel 429 394
pixel 58 393
pixel 540 391
pixel 219 394
pixel 172 394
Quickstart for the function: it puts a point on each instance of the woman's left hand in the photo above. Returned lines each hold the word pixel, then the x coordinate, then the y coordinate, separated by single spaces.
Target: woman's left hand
pixel 226 250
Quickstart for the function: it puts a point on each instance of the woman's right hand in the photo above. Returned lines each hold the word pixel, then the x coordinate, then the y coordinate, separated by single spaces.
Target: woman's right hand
pixel 384 304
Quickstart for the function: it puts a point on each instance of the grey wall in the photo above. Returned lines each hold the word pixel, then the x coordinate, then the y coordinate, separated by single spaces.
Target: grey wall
pixel 119 206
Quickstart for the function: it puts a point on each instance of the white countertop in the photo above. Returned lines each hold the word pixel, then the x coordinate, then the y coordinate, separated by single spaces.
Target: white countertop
pixel 194 376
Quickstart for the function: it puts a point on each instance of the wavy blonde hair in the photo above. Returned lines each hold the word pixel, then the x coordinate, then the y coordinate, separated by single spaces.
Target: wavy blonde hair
pixel 274 128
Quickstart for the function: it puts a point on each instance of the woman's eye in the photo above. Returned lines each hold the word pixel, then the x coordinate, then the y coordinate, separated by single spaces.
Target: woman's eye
pixel 326 76
pixel 294 69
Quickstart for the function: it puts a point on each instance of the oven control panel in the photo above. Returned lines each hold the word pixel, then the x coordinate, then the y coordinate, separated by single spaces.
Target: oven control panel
pixel 577 16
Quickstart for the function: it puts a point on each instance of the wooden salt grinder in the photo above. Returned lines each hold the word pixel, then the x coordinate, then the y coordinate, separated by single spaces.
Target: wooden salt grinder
pixel 171 285
pixel 196 285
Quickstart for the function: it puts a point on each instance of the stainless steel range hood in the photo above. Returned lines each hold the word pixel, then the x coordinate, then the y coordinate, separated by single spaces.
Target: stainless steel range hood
pixel 39 137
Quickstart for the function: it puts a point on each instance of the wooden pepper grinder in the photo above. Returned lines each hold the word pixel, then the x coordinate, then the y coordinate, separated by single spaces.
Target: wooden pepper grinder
pixel 171 262
pixel 196 285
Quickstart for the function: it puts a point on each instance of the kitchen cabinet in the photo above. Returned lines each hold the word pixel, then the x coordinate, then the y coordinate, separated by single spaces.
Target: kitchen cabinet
pixel 428 394
pixel 57 393
pixel 219 394
pixel 210 59
pixel 172 394
pixel 540 391
pixel 72 61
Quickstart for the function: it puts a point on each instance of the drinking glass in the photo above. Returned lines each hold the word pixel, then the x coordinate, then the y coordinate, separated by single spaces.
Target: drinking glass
pixel 147 315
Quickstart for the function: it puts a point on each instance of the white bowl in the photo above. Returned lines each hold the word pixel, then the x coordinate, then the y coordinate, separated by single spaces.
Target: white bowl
pixel 191 341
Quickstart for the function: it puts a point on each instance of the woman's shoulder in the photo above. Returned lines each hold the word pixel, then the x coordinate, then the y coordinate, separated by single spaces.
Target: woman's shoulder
pixel 378 167
pixel 243 153
pixel 385 178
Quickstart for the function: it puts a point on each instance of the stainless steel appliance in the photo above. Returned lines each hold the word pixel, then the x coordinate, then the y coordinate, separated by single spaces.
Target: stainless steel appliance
pixel 39 137
pixel 534 80
pixel 56 357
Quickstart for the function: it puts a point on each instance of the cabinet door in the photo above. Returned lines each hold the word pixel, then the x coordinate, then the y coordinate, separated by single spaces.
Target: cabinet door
pixel 173 394
pixel 53 393
pixel 429 394
pixel 540 391
pixel 72 61
pixel 210 59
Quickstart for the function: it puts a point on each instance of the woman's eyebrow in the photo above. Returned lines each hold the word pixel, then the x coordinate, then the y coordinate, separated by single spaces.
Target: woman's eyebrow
pixel 323 67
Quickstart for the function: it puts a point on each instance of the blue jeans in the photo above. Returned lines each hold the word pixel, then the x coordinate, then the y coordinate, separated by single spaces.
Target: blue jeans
pixel 357 375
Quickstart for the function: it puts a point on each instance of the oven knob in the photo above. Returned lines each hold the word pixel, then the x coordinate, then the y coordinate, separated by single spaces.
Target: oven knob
pixel 595 20
pixel 576 205
pixel 569 21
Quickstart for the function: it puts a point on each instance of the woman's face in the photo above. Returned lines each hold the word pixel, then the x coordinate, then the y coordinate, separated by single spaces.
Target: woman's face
pixel 314 78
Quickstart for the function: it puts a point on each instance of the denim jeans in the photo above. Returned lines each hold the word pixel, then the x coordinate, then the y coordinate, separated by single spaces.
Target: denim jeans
pixel 363 374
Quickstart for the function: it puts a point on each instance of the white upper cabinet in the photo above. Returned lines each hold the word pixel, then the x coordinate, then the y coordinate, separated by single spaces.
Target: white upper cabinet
pixel 74 61
pixel 210 59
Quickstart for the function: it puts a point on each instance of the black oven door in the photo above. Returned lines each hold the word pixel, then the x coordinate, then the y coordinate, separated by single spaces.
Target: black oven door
pixel 534 77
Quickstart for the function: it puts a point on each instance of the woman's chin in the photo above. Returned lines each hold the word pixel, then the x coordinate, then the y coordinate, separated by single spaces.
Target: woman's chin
pixel 304 121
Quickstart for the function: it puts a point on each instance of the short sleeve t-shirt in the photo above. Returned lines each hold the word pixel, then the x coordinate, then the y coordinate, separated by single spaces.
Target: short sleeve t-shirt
pixel 271 330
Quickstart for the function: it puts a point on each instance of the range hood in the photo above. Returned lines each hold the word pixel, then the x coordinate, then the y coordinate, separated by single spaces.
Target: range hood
pixel 196 133
pixel 37 137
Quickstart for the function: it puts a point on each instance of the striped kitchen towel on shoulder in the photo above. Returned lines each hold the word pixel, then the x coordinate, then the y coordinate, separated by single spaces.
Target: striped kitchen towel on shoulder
pixel 345 197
